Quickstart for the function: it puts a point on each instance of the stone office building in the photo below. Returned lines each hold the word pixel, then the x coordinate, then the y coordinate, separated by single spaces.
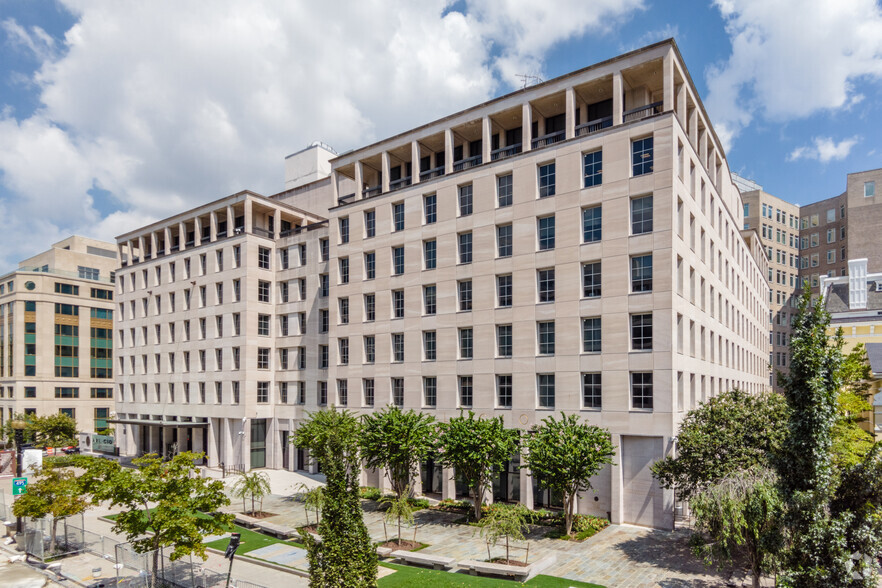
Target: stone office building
pixel 575 246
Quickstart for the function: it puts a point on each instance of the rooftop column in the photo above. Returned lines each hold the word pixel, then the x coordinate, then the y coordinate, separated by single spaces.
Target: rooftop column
pixel 335 192
pixel 277 223
pixel 527 127
pixel 415 162
pixel 486 132
pixel 166 234
pixel 384 159
pixel 617 98
pixel 231 221
pixel 153 251
pixel 182 235
pixel 359 180
pixel 693 128
pixel 448 151
pixel 212 226
pixel 681 104
pixel 668 80
pixel 571 114
pixel 197 232
pixel 248 220
pixel 141 247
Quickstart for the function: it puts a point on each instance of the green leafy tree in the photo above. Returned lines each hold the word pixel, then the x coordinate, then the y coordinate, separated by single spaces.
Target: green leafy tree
pixel 730 433
pixel 399 509
pixel 166 498
pixel 345 556
pixel 740 515
pixel 253 484
pixel 474 448
pixel 313 500
pixel 57 492
pixel 397 441
pixel 54 430
pixel 817 554
pixel 505 520
pixel 564 455
pixel 850 441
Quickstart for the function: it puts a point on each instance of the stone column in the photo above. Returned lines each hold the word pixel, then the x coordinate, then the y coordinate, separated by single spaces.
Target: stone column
pixel 526 483
pixel 248 216
pixel 384 170
pixel 212 226
pixel 448 484
pixel 359 180
pixel 448 151
pixel 182 236
pixel 571 114
pixel 153 247
pixel 141 248
pixel 668 81
pixel 231 221
pixel 213 454
pixel 415 162
pixel 486 139
pixel 527 127
pixel 618 98
pixel 702 148
pixel 693 128
pixel 277 223
pixel 335 191
pixel 681 104
pixel 166 240
pixel 616 498
pixel 197 231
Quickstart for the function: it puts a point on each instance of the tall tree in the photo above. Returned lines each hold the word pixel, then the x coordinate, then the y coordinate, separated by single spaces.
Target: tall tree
pixel 565 454
pixel 345 556
pixel 817 554
pixel 727 434
pixel 474 448
pixel 397 441
pixel 54 430
pixel 166 498
pixel 57 492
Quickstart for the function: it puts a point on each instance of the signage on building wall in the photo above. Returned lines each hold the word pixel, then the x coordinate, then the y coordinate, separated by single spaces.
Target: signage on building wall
pixel 103 443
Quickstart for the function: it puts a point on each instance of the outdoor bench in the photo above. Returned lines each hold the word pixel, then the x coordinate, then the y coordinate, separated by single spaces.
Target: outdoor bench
pixel 277 530
pixel 438 562
pixel 245 521
pixel 485 567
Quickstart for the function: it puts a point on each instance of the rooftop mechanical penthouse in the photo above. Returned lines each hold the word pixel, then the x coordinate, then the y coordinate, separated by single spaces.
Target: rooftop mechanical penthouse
pixel 575 246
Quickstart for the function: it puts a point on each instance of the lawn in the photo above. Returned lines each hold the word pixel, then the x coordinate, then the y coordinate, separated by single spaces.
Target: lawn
pixel 412 576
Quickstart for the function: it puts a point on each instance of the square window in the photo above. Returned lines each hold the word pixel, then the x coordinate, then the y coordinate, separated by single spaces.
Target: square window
pixel 591 224
pixel 641 215
pixel 591 279
pixel 263 291
pixel 503 241
pixel 503 391
pixel 546 180
pixel 465 247
pixel 430 208
pixel 263 354
pixel 263 325
pixel 545 228
pixel 591 397
pixel 546 285
pixel 367 387
pixel 593 168
pixel 504 190
pixel 869 189
pixel 343 307
pixel 545 334
pixel 641 390
pixel 465 200
pixel 641 332
pixel 430 249
pixel 641 157
pixel 263 392
pixel 504 290
pixel 641 273
pixel 591 335
pixel 545 385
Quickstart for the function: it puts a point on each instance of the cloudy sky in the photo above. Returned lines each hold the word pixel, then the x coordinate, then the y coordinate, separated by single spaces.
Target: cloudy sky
pixel 115 113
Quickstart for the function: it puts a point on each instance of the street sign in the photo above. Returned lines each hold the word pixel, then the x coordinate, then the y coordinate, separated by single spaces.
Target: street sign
pixel 19 486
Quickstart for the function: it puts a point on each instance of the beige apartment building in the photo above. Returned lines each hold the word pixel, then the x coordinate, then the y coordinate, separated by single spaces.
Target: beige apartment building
pixel 56 334
pixel 575 246
pixel 777 224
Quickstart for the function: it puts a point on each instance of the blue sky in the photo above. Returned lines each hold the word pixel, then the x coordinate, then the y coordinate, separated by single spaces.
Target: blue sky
pixel 116 114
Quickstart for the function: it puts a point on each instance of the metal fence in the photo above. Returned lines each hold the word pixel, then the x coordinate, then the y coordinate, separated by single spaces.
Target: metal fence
pixel 133 569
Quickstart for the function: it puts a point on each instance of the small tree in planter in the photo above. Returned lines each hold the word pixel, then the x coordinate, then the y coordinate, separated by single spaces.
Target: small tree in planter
pixel 253 484
pixel 397 441
pixel 505 520
pixel 313 500
pixel 400 508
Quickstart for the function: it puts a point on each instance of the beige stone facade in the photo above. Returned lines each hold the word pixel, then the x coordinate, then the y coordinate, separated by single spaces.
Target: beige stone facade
pixel 56 334
pixel 576 246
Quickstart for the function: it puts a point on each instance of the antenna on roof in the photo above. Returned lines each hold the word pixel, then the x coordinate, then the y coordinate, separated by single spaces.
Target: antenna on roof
pixel 529 80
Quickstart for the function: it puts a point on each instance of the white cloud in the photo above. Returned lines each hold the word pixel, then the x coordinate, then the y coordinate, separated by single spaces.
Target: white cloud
pixel 169 104
pixel 792 58
pixel 824 149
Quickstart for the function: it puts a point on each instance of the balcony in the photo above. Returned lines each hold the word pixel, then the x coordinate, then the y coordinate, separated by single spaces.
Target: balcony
pixel 372 191
pixel 468 162
pixel 504 152
pixel 549 139
pixel 262 232
pixel 398 184
pixel 594 126
pixel 642 112
pixel 344 199
pixel 432 173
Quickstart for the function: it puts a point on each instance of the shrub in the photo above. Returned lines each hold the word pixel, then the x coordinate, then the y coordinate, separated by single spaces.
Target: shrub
pixel 370 493
pixel 588 524
pixel 419 503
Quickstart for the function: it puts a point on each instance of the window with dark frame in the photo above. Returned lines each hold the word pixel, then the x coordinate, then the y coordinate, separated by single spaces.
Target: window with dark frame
pixel 591 390
pixel 546 180
pixel 545 385
pixel 504 391
pixel 641 332
pixel 641 156
pixel 591 334
pixel 504 187
pixel 641 390
pixel 592 165
pixel 591 224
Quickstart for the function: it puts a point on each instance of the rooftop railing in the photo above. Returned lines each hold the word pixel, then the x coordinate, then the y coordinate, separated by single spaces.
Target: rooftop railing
pixel 400 183
pixel 549 139
pixel 504 152
pixel 594 126
pixel 66 274
pixel 372 191
pixel 432 173
pixel 467 162
pixel 642 112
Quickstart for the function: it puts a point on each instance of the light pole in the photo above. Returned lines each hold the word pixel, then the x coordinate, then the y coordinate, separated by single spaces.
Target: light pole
pixel 18 426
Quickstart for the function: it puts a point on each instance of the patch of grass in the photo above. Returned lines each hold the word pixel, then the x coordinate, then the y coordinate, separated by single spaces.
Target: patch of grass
pixel 410 576
pixel 249 541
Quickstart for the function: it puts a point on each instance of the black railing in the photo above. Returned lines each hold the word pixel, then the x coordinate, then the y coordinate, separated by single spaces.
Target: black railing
pixel 467 162
pixel 549 139
pixel 504 152
pixel 372 191
pixel 398 184
pixel 642 112
pixel 236 468
pixel 432 173
pixel 594 126
pixel 262 232
pixel 344 199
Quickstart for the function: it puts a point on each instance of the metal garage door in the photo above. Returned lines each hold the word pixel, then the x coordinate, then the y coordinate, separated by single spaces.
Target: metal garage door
pixel 643 498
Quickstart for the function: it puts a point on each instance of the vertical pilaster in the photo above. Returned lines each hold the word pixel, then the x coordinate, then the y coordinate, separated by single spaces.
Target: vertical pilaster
pixel 384 158
pixel 141 249
pixel 359 180
pixel 486 139
pixel 571 114
pixel 527 127
pixel 618 98
pixel 249 228
pixel 693 128
pixel 212 226
pixel 182 235
pixel 616 498
pixel 197 231
pixel 668 81
pixel 335 190
pixel 448 484
pixel 153 247
pixel 448 151
pixel 526 482
pixel 415 162
pixel 681 104
pixel 166 240
pixel 277 223
pixel 231 221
